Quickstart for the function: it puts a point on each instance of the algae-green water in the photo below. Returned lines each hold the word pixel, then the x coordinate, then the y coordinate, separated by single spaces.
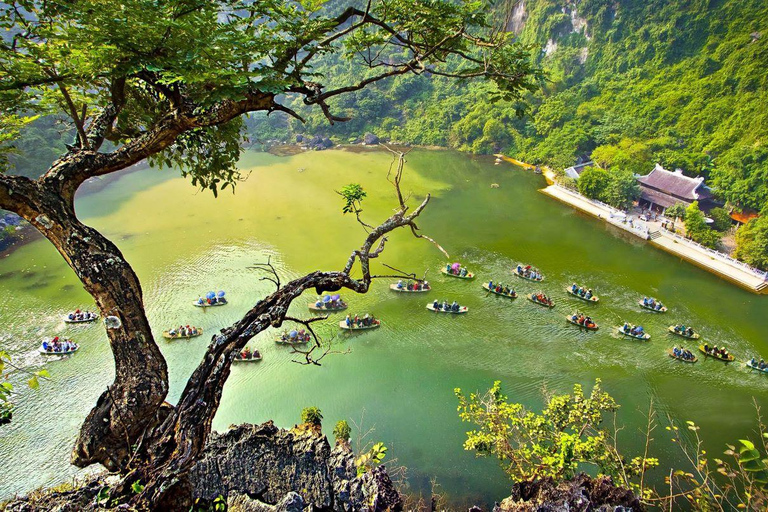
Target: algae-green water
pixel 395 384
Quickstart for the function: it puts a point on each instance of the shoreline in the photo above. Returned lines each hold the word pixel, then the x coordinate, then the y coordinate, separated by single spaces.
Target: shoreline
pixel 712 261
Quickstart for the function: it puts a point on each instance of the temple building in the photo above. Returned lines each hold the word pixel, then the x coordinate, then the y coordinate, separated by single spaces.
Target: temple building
pixel 662 188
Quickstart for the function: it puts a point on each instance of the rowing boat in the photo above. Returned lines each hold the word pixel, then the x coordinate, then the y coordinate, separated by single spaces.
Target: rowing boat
pixel 651 308
pixel 462 309
pixel 511 295
pixel 532 298
pixel 178 336
pixel 693 336
pixel 313 307
pixel 570 319
pixel 60 353
pixel 645 336
pixel 749 364
pixel 394 288
pixel 91 318
pixel 375 325
pixel 297 341
pixel 716 356
pixel 592 299
pixel 469 275
pixel 523 276
pixel 671 354
pixel 252 359
pixel 219 302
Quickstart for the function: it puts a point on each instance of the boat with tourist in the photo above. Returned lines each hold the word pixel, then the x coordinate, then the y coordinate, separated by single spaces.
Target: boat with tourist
pixel 634 331
pixel 358 323
pixel 57 346
pixel 328 303
pixel 212 299
pixel 760 365
pixel 247 356
pixel 528 272
pixel 683 331
pixel 682 354
pixel 652 304
pixel 293 337
pixel 444 307
pixel 583 293
pixel 583 321
pixel 80 317
pixel 718 353
pixel 182 332
pixel 500 289
pixel 457 270
pixel 541 300
pixel 410 287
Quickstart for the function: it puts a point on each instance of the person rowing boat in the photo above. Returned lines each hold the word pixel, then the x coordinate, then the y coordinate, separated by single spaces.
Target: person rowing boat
pixel 541 299
pixel 78 317
pixel 183 331
pixel 682 354
pixel 685 332
pixel 328 303
pixel 444 307
pixel 528 272
pixel 294 337
pixel 247 356
pixel 760 366
pixel 358 323
pixel 718 353
pixel 634 331
pixel 653 305
pixel 211 299
pixel 582 293
pixel 58 346
pixel 410 287
pixel 500 289
pixel 457 270
pixel 582 321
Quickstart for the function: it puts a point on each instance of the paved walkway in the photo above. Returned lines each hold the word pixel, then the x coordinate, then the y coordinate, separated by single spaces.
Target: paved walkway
pixel 715 262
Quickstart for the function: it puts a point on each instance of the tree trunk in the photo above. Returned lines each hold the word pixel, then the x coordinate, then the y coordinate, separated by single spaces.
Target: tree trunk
pixel 133 402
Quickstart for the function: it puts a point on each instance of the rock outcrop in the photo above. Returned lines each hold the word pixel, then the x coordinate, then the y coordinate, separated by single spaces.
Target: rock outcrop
pixel 266 463
pixel 581 493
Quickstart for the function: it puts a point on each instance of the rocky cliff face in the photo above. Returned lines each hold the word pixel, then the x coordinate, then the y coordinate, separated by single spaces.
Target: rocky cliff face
pixel 266 464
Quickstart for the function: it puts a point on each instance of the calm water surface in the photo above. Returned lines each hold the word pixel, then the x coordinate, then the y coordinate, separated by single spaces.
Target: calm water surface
pixel 398 380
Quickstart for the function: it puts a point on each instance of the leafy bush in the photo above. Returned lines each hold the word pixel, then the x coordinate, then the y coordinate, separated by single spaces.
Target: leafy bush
pixel 752 242
pixel 697 229
pixel 311 416
pixel 342 431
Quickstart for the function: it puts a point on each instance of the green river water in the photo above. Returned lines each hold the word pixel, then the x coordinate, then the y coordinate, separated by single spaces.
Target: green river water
pixel 398 380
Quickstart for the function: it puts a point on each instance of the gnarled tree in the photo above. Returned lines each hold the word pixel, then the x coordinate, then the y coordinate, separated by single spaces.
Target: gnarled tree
pixel 168 81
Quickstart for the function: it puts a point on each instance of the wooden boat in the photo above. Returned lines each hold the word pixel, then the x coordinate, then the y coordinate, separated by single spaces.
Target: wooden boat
pixel 469 275
pixel 593 299
pixel 219 302
pixel 726 359
pixel 532 298
pixel 343 325
pixel 240 359
pixel 61 353
pixel 300 340
pixel 577 324
pixel 512 295
pixel 651 308
pixel 522 276
pixel 91 318
pixel 693 336
pixel 462 309
pixel 644 337
pixel 313 307
pixel 749 364
pixel 394 288
pixel 167 335
pixel 671 354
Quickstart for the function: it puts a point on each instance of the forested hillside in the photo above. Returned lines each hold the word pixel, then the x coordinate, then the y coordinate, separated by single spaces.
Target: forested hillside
pixel 682 82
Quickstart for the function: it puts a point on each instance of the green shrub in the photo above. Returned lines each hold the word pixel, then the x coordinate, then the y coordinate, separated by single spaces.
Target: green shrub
pixel 312 416
pixel 342 431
